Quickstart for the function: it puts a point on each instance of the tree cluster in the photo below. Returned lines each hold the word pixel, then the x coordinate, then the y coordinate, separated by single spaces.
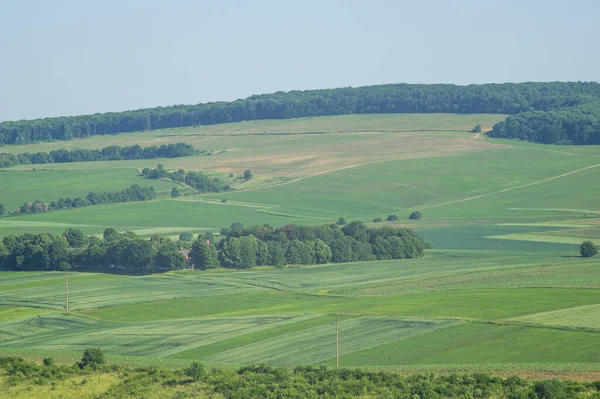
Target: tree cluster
pixel 116 251
pixel 263 245
pixel 112 153
pixel 573 125
pixel 131 194
pixel 507 98
pixel 197 180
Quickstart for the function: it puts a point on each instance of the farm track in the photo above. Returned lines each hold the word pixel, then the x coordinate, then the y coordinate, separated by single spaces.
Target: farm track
pixel 512 188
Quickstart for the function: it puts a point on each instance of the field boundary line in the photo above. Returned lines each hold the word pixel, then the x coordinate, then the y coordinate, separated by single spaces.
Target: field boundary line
pixel 512 188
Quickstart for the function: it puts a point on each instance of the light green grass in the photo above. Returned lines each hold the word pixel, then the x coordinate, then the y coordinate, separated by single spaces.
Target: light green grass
pixel 251 338
pixel 46 289
pixel 567 273
pixel 474 343
pixel 155 339
pixel 481 304
pixel 342 123
pixel 49 185
pixel 317 344
pixel 559 239
pixel 12 313
pixel 580 316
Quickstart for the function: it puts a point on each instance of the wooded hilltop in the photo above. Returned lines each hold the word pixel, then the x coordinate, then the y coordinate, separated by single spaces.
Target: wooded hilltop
pixel 553 112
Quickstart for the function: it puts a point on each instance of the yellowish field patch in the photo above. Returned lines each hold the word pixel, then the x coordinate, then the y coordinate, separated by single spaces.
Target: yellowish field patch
pixel 580 316
pixel 541 238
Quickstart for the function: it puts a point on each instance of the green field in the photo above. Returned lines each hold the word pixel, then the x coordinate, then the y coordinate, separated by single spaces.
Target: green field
pixel 503 287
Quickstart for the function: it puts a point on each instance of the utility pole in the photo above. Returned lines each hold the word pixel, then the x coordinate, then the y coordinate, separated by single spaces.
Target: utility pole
pixel 572 255
pixel 67 288
pixel 337 341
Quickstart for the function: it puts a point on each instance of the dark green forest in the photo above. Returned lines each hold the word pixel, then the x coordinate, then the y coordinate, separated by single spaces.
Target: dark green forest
pixel 240 249
pixel 111 153
pixel 555 100
pixel 131 194
pixel 243 248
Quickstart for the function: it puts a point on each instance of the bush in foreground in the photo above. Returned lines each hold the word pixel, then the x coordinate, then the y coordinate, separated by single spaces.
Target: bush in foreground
pixel 92 357
pixel 264 381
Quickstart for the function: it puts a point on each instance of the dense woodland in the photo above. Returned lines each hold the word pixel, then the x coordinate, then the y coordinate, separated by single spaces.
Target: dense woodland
pixel 244 248
pixel 130 194
pixel 573 125
pixel 115 251
pixel 262 381
pixel 508 98
pixel 112 153
pixel 240 249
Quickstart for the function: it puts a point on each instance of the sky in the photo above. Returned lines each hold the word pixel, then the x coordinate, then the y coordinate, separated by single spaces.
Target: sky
pixel 72 57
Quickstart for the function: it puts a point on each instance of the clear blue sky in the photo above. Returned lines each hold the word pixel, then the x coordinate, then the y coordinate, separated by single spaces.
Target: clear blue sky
pixel 69 57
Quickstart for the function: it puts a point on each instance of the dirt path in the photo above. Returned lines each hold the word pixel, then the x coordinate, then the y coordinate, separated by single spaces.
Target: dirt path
pixel 513 188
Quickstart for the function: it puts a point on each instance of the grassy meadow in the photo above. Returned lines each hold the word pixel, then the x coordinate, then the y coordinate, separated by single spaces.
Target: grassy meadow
pixel 502 289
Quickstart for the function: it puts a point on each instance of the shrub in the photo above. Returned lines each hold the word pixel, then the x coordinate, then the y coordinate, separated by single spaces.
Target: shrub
pixel 476 129
pixel 588 249
pixel 550 389
pixel 223 200
pixel 416 215
pixel 186 236
pixel 195 371
pixel 377 220
pixel 247 174
pixel 92 357
pixel 341 221
pixel 392 218
pixel 48 361
pixel 175 192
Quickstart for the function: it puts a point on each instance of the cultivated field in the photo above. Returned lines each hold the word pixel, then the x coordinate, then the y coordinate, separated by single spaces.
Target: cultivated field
pixel 502 290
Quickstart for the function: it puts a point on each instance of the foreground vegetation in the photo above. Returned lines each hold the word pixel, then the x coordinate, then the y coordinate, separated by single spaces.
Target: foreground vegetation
pixel 91 377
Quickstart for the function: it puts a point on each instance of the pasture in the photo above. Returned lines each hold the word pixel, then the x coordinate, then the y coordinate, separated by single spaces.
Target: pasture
pixel 502 288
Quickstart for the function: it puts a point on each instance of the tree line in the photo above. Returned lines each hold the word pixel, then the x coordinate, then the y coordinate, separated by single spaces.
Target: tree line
pixel 507 98
pixel 197 180
pixel 243 248
pixel 115 251
pixel 573 125
pixel 112 153
pixel 133 193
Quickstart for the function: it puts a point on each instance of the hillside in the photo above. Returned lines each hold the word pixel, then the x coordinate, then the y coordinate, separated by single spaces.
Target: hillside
pixel 502 290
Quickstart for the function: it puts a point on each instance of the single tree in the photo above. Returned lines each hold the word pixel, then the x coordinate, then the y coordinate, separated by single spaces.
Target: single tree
pixel 377 220
pixel 92 357
pixel 416 215
pixel 2 209
pixel 48 361
pixel 588 249
pixel 247 174
pixel 175 192
pixel 341 221
pixel 476 129
pixel 392 218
